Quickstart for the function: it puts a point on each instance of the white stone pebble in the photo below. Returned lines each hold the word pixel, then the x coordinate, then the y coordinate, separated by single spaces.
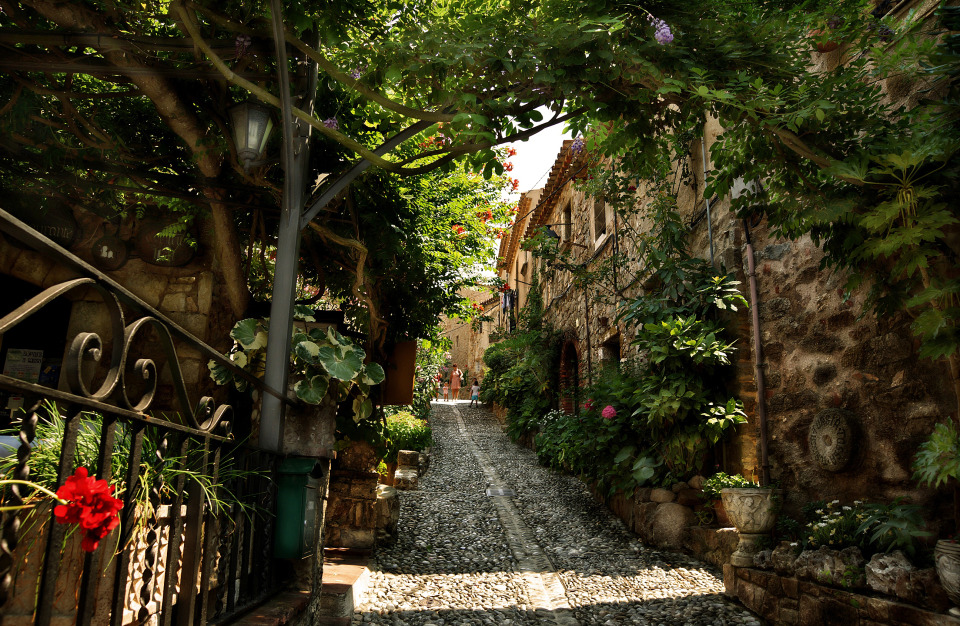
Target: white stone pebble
pixel 451 564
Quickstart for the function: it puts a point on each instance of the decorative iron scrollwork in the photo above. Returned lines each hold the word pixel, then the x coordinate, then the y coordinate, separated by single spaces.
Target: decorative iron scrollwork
pixel 88 347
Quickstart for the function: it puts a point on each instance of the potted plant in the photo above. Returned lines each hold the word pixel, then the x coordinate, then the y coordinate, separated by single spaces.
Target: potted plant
pixel 712 488
pixel 753 510
pixel 823 39
pixel 937 463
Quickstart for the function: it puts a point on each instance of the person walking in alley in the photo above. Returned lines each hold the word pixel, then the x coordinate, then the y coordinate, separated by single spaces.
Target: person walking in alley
pixel 475 394
pixel 446 391
pixel 456 379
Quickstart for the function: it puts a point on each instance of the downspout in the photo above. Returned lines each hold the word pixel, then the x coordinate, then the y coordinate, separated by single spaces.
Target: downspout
pixel 758 359
pixel 703 153
pixel 586 317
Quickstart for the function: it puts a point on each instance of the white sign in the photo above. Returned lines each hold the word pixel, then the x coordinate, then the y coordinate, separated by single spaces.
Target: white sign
pixel 23 365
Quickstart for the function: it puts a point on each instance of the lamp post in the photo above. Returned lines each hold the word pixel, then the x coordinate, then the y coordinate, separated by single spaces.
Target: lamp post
pixel 294 215
pixel 251 123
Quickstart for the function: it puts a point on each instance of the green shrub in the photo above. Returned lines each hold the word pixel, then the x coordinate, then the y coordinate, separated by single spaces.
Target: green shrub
pixel 521 373
pixel 713 485
pixel 404 431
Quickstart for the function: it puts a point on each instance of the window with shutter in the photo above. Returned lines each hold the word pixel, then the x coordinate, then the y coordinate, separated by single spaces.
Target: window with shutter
pixel 599 218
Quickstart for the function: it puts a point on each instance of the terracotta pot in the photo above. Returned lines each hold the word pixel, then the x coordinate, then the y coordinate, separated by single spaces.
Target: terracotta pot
pixel 823 46
pixel 720 512
pixel 400 373
pixel 947 557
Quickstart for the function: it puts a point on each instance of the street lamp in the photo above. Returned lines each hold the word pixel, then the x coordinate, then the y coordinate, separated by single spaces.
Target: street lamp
pixel 251 122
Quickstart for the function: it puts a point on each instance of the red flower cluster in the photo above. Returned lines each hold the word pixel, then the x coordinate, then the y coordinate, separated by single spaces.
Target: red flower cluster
pixel 516 184
pixel 477 307
pixel 512 152
pixel 508 166
pixel 91 505
pixel 460 230
pixel 505 287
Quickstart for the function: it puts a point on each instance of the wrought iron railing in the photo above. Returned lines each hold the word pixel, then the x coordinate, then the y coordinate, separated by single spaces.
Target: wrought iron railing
pixel 192 557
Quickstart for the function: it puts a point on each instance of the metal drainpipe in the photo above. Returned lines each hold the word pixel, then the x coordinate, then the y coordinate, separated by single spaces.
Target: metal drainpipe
pixel 586 317
pixel 758 359
pixel 703 153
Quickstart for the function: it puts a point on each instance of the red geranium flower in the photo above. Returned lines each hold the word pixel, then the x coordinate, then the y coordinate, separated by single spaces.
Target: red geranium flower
pixel 91 505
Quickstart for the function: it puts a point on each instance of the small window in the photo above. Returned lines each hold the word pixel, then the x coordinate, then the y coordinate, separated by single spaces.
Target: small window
pixel 610 352
pixel 599 218
pixel 567 222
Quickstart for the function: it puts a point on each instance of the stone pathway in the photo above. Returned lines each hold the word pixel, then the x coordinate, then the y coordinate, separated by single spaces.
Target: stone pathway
pixel 548 555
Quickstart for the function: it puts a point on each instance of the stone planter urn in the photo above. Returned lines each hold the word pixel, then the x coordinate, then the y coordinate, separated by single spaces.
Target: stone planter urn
pixel 947 557
pixel 753 511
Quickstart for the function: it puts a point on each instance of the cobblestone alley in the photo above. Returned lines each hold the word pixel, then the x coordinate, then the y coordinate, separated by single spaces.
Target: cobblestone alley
pixel 546 555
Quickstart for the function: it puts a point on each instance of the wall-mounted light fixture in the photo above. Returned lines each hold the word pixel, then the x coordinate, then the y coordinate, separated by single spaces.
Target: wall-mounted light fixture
pixel 251 123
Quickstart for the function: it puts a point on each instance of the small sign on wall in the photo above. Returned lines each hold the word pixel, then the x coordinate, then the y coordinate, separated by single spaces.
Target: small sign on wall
pixel 23 365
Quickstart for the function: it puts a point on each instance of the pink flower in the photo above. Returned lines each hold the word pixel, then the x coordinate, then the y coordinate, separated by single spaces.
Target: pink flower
pixel 588 404
pixel 609 412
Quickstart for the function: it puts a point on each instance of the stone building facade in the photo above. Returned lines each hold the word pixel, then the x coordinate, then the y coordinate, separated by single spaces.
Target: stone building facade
pixel 469 341
pixel 829 371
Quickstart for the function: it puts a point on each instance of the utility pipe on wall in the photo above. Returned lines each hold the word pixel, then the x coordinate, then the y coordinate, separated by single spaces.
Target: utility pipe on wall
pixel 703 153
pixel 758 359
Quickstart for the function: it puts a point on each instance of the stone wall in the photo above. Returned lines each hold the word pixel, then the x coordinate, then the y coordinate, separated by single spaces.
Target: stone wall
pixel 826 363
pixel 788 601
pixel 351 517
pixel 824 359
pixel 667 518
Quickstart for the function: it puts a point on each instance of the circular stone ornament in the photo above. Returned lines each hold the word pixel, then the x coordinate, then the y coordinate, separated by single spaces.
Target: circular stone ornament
pixel 831 439
pixel 109 253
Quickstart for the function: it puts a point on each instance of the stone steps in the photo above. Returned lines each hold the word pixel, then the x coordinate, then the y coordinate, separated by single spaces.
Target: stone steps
pixel 345 577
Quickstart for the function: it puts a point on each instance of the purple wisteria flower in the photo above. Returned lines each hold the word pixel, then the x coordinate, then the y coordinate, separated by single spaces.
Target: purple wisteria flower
pixel 356 74
pixel 662 31
pixel 242 45
pixel 331 123
pixel 577 146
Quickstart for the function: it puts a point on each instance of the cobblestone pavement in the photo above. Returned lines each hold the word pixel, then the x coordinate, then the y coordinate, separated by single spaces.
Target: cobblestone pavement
pixel 548 555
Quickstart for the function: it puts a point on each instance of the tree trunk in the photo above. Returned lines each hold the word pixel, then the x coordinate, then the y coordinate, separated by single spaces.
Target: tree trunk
pixel 181 119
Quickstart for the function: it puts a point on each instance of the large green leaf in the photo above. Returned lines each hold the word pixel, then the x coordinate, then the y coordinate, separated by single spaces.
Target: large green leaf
pixel 307 351
pixel 373 374
pixel 341 363
pixel 362 409
pixel 248 334
pixel 312 390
